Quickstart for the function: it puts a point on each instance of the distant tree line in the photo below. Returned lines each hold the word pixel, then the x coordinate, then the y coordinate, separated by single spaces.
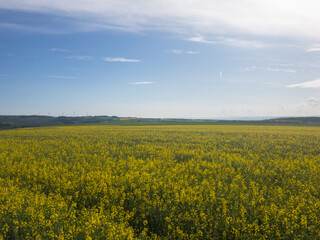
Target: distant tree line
pixel 19 121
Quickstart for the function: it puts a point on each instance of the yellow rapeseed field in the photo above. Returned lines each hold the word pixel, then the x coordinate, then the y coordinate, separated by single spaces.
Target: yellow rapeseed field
pixel 160 182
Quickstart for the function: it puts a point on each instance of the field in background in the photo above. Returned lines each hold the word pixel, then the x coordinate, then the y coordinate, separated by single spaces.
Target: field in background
pixel 27 121
pixel 160 182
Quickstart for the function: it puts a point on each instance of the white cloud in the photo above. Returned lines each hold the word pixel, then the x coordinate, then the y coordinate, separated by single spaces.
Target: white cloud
pixel 192 52
pixel 117 59
pixel 179 52
pixel 234 42
pixel 286 70
pixel 62 77
pixel 141 83
pixel 79 57
pixel 200 39
pixel 285 18
pixel 174 51
pixel 59 50
pixel 309 84
pixel 241 43
pixel 314 48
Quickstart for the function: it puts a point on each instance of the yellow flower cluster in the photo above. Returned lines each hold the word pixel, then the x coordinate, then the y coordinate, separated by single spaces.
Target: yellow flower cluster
pixel 160 182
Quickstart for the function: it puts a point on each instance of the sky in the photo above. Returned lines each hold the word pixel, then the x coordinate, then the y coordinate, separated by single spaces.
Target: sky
pixel 160 58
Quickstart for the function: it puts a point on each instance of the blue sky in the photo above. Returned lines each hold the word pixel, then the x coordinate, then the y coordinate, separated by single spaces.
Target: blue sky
pixel 191 59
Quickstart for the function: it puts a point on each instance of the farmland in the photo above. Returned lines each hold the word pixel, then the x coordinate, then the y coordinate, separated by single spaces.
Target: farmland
pixel 160 182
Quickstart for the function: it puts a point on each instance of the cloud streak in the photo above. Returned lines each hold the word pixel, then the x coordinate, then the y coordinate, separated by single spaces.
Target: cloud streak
pixel 141 83
pixel 234 42
pixel 310 84
pixel 59 50
pixel 314 48
pixel 200 39
pixel 286 70
pixel 25 28
pixel 82 58
pixel 118 59
pixel 179 52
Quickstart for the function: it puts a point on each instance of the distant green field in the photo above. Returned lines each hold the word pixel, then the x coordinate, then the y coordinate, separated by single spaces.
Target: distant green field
pixel 11 122
pixel 204 122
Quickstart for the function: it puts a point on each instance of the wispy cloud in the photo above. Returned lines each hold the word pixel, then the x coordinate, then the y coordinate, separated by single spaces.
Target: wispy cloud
pixel 59 50
pixel 80 57
pixel 62 77
pixel 141 83
pixel 192 52
pixel 286 70
pixel 241 43
pixel 118 59
pixel 314 48
pixel 174 51
pixel 179 52
pixel 234 42
pixel 200 39
pixel 309 84
pixel 298 64
pixel 25 28
pixel 290 18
